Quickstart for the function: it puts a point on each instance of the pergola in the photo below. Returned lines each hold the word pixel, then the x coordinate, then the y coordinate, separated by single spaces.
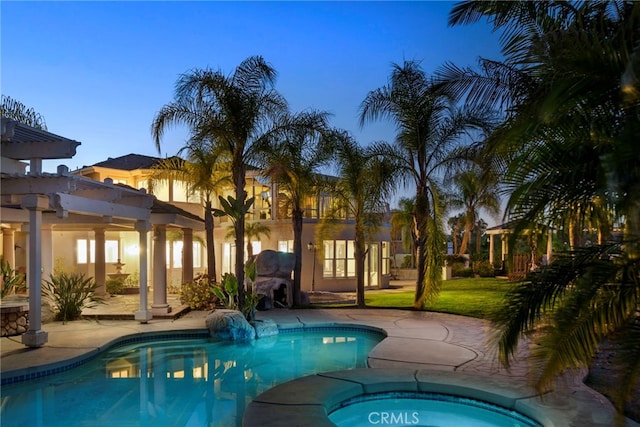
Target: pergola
pixel 504 230
pixel 36 202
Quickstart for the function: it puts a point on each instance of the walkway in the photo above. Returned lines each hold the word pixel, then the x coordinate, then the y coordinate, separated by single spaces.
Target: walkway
pixel 444 346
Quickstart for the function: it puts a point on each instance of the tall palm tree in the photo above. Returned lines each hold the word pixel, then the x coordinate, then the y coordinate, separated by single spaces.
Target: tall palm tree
pixel 292 155
pixel 205 173
pixel 472 195
pixel 569 80
pixel 429 127
pixel 231 110
pixel 13 109
pixel 366 180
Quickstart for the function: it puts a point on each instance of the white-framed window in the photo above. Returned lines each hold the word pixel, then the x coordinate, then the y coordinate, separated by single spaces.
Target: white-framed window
pixel 285 246
pixel 174 254
pixel 86 251
pixel 386 257
pixel 339 258
pixel 197 255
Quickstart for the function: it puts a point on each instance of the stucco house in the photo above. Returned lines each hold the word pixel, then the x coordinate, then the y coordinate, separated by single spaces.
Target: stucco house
pixel 334 266
pixel 107 219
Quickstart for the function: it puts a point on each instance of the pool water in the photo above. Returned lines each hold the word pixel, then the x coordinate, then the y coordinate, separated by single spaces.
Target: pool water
pixel 194 382
pixel 425 409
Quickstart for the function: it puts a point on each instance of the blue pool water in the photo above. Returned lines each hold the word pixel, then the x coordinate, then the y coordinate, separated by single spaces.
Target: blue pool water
pixel 194 382
pixel 425 409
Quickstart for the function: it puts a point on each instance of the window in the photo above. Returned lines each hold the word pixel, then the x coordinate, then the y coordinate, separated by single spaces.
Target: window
pixel 197 255
pixel 161 189
pixel 174 254
pixel 174 249
pixel 386 258
pixel 339 258
pixel 285 246
pixel 86 251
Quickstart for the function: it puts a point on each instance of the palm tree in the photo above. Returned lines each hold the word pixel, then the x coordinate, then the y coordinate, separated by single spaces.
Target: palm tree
pixel 366 181
pixel 402 219
pixel 429 128
pixel 13 109
pixel 570 83
pixel 205 173
pixel 292 155
pixel 473 194
pixel 456 224
pixel 233 111
pixel 252 231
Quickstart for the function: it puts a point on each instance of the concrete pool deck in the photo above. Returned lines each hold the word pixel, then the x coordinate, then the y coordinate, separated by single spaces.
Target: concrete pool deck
pixel 422 350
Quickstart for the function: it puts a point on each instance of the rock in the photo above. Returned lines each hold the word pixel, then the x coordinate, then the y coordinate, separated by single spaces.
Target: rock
pixel 271 263
pixel 265 328
pixel 274 290
pixel 229 325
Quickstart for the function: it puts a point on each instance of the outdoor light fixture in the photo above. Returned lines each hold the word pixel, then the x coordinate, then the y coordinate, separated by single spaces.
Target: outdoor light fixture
pixel 312 249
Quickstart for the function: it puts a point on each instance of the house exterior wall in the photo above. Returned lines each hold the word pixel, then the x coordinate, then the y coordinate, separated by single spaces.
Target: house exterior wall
pixel 269 210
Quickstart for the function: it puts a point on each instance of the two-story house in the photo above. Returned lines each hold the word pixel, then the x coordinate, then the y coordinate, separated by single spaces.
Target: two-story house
pixel 326 266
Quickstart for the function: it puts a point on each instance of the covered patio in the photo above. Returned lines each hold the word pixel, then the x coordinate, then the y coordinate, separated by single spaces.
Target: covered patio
pixel 37 205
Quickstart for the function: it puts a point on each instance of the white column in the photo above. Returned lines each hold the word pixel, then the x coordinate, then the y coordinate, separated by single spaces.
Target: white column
pixel 187 255
pixel 491 249
pixel 143 314
pixel 160 305
pixel 35 204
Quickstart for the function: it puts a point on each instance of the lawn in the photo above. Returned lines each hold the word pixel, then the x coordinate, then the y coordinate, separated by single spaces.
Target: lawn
pixel 468 297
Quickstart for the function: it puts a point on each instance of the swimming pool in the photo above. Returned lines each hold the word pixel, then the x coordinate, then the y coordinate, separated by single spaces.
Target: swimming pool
pixel 181 382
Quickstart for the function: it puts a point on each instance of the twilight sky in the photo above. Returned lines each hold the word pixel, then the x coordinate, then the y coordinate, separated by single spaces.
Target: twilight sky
pixel 99 71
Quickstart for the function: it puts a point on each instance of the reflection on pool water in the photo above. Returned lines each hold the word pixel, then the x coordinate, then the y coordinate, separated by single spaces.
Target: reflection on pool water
pixel 195 382
pixel 425 409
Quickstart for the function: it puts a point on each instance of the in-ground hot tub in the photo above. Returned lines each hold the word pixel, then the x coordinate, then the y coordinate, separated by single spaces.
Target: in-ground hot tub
pixel 425 409
pixel 328 399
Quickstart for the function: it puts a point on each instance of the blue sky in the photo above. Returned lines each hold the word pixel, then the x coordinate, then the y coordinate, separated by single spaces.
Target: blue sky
pixel 99 71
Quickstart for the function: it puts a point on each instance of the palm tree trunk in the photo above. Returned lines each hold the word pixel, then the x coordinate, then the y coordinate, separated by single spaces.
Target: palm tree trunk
pixel 238 171
pixel 297 221
pixel 360 255
pixel 211 254
pixel 421 216
pixel 466 237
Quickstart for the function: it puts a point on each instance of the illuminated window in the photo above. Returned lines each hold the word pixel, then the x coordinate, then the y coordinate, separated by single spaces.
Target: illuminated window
pixel 197 255
pixel 386 257
pixel 86 251
pixel 339 258
pixel 285 246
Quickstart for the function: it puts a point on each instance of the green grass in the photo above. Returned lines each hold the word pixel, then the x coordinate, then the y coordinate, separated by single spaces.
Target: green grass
pixel 468 297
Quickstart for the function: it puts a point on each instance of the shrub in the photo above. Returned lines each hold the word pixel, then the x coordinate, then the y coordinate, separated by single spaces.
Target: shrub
pixel 70 293
pixel 406 262
pixel 115 286
pixel 198 294
pixel 12 280
pixel 227 291
pixel 483 269
pixel 132 280
pixel 459 270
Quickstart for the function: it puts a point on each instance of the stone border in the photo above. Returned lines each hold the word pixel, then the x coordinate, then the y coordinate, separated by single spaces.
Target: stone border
pixel 14 317
pixel 309 400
